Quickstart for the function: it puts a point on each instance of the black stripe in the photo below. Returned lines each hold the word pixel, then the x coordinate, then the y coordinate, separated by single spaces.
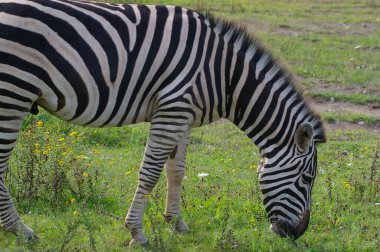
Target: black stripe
pixel 229 91
pixel 202 97
pixel 7 141
pixel 7 93
pixel 10 118
pixel 5 105
pixel 218 75
pixel 209 84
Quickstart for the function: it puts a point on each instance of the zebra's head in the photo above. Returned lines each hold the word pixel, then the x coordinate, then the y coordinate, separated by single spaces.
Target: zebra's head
pixel 286 180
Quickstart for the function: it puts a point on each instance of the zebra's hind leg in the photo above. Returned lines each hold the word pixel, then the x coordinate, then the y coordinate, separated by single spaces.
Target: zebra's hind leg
pixel 175 170
pixel 10 122
pixel 163 137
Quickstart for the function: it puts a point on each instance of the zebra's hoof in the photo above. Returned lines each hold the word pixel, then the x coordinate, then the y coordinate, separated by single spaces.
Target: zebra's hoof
pixel 28 239
pixel 136 243
pixel 182 227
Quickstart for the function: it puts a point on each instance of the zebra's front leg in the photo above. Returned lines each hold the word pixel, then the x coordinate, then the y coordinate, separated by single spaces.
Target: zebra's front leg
pixel 161 142
pixel 175 169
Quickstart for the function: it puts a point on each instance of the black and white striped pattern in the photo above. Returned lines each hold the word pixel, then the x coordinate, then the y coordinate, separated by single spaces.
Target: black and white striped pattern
pixel 98 65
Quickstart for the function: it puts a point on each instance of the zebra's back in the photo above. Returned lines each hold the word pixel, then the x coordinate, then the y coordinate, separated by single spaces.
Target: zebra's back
pixel 120 59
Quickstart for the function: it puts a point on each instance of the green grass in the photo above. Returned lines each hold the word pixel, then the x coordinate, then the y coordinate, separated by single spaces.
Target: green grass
pixel 317 40
pixel 223 210
pixel 356 98
pixel 367 120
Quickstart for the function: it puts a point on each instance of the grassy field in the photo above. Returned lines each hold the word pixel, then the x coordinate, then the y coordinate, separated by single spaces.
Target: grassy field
pixel 73 185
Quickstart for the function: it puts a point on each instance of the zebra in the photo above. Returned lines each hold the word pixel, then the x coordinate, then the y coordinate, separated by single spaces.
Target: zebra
pixel 102 65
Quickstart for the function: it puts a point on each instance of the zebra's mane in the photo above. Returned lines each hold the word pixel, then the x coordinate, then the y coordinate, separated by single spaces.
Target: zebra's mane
pixel 245 41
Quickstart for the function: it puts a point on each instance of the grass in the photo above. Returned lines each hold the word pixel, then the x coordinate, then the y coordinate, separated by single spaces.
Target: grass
pixel 356 98
pixel 224 210
pixel 362 119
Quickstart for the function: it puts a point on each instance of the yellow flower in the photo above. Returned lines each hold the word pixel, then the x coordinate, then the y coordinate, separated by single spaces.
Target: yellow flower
pixel 72 200
pixel 253 166
pixel 85 174
pixel 61 162
pixel 128 172
pixel 36 151
pixel 75 212
pixel 348 186
pixel 61 139
pixel 96 151
pixel 40 123
pixel 45 152
pixel 37 145
pixel 73 134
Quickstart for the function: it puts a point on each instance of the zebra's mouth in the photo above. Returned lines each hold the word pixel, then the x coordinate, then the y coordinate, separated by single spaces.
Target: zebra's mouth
pixel 285 230
pixel 281 228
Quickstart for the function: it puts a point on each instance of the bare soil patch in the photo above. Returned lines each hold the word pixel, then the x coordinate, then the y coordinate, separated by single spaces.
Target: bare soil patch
pixel 352 126
pixel 341 107
pixel 347 108
pixel 322 86
pixel 293 29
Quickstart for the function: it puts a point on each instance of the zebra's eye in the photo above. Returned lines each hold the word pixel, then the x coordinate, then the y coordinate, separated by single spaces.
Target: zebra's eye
pixel 307 178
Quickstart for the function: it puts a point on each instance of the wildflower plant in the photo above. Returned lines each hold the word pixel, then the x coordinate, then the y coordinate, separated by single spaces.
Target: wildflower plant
pixel 51 167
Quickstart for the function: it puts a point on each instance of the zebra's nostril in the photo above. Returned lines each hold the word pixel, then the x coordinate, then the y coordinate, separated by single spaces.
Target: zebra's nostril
pixel 280 228
pixel 285 230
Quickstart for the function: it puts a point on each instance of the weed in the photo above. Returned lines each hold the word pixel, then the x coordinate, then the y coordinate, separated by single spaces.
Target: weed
pixel 226 239
pixel 375 174
pixel 71 230
pixel 155 218
pixel 50 167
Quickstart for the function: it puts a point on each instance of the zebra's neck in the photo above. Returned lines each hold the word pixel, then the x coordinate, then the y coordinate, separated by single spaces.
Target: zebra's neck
pixel 261 98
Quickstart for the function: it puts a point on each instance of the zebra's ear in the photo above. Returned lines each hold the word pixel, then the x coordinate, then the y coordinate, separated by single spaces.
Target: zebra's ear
pixel 303 136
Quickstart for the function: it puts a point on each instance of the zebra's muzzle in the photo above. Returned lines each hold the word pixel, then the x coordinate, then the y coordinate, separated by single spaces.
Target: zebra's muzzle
pixel 285 230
